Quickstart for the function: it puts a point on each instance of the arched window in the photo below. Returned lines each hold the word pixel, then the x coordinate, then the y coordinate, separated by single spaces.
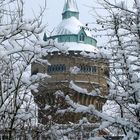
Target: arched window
pixel 81 68
pixel 82 37
pixel 84 69
pixel 64 67
pixel 93 69
pixel 61 68
pixel 89 68
pixel 53 68
pixel 57 68
pixel 49 69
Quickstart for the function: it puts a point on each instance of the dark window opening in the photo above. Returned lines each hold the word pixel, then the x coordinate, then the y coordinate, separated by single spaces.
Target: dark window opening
pixel 93 69
pixel 56 68
pixel 82 37
pixel 87 69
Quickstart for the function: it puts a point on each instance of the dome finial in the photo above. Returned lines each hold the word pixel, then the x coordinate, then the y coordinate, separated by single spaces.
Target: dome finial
pixel 70 9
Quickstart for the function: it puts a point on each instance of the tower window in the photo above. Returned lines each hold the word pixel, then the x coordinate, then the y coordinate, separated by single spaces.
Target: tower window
pixel 56 68
pixel 82 37
pixel 87 69
pixel 93 69
pixel 61 68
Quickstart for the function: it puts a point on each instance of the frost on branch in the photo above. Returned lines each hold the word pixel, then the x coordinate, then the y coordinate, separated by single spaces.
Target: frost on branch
pixel 96 138
pixel 122 28
pixel 74 70
pixel 79 89
pixel 20 47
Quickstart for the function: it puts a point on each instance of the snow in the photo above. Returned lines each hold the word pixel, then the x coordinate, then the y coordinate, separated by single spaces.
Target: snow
pixel 98 54
pixel 74 70
pixel 136 107
pixel 75 106
pixel 88 33
pixel 77 88
pixel 72 46
pixel 47 107
pixel 96 138
pixel 91 110
pixel 64 138
pixel 70 26
pixel 121 4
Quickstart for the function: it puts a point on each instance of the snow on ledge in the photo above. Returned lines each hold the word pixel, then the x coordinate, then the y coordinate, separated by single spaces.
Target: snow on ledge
pixel 73 46
pixel 96 138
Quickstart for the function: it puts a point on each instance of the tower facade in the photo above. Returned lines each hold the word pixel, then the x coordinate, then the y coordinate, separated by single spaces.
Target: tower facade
pixel 74 48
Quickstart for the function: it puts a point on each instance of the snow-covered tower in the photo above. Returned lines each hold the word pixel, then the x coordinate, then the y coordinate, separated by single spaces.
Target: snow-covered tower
pixel 75 63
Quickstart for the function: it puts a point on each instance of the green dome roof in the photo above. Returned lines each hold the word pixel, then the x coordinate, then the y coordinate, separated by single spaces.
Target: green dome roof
pixel 71 30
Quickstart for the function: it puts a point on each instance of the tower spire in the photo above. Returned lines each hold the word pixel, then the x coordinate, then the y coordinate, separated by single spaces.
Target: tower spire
pixel 70 9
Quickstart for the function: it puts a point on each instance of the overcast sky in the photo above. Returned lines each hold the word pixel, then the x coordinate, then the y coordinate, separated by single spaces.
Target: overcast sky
pixel 54 9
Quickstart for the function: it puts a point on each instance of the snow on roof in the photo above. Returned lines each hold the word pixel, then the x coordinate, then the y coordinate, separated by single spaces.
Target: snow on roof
pixel 70 26
pixel 72 46
pixel 88 33
pixel 96 138
pixel 70 5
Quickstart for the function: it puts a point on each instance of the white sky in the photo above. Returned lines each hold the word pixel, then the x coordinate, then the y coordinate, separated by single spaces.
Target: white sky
pixel 54 9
